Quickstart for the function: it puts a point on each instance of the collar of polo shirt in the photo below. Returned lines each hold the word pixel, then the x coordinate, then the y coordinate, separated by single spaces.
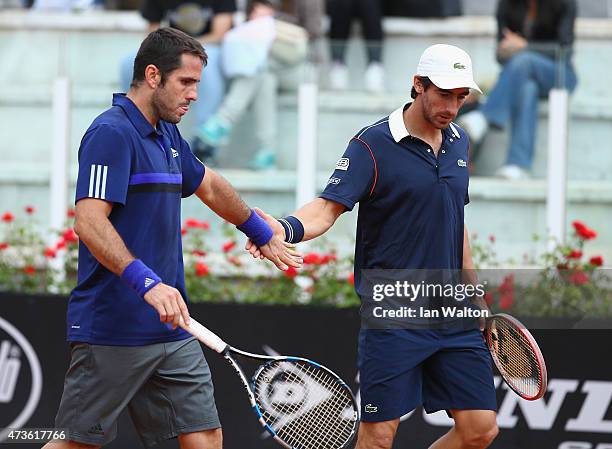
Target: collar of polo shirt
pixel 137 118
pixel 396 123
pixel 398 127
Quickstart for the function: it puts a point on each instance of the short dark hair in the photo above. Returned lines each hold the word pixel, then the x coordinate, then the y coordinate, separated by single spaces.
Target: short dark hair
pixel 426 83
pixel 164 48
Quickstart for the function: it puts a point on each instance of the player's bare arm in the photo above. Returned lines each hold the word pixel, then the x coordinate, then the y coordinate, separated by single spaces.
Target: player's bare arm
pixel 220 196
pixel 469 273
pixel 319 216
pixel 101 238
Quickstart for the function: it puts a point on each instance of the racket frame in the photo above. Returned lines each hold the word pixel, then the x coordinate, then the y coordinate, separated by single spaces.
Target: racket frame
pixel 215 343
pixel 534 346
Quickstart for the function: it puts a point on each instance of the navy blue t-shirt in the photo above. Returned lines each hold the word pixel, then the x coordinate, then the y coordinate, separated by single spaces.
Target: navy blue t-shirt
pixel 144 172
pixel 410 202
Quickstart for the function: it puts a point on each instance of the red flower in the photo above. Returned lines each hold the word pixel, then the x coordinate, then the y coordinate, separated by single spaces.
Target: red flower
pixel 29 210
pixel 71 213
pixel 50 253
pixel 8 217
pixel 578 225
pixel 327 258
pixel 596 260
pixel 183 231
pixel 579 278
pixel 61 244
pixel 228 246
pixel 507 285
pixel 488 297
pixel 3 246
pixel 193 223
pixel 201 269
pixel 506 300
pixel 588 234
pixel 492 238
pixel 29 270
pixel 583 231
pixel 351 279
pixel 291 272
pixel 312 259
pixel 70 236
pixel 198 252
pixel 574 254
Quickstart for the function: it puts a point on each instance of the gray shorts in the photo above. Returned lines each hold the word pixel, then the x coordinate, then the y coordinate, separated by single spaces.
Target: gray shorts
pixel 166 387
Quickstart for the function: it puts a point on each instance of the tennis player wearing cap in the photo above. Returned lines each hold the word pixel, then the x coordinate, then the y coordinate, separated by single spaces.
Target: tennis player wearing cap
pixel 409 174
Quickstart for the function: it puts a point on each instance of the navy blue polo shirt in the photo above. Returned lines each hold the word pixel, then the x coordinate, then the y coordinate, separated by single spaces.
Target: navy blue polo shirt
pixel 410 201
pixel 144 172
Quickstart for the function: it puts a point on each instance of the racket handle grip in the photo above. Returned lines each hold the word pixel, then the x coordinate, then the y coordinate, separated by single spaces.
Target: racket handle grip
pixel 204 335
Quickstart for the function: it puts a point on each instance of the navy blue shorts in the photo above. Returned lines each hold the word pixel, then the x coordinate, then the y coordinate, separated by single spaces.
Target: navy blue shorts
pixel 401 369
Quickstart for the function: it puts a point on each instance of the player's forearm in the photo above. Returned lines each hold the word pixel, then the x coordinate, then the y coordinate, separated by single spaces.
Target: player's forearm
pixel 222 199
pixel 103 241
pixel 469 271
pixel 318 217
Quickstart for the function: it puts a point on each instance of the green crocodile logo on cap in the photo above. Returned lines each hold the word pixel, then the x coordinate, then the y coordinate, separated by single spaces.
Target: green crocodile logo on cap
pixel 459 66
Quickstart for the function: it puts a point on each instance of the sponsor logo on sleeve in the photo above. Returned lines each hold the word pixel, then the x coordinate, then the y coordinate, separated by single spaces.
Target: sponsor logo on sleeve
pixel 343 164
pixel 461 163
pixel 334 181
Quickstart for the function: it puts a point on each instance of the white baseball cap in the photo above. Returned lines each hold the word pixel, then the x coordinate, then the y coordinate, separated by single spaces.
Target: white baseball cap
pixel 448 67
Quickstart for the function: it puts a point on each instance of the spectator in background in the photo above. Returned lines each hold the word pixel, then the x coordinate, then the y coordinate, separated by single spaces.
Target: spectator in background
pixel 341 13
pixel 260 56
pixel 309 15
pixel 535 39
pixel 207 21
pixel 306 13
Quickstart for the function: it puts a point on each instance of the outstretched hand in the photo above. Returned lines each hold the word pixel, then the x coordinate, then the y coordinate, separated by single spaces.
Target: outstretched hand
pixel 279 252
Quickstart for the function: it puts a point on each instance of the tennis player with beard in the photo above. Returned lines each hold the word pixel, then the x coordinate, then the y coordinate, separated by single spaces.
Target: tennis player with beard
pixel 126 348
pixel 409 174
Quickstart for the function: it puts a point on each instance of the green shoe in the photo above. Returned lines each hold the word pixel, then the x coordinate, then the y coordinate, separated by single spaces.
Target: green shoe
pixel 215 131
pixel 264 159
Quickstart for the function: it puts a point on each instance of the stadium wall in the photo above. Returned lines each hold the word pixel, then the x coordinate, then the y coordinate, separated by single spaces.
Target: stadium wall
pixel 575 414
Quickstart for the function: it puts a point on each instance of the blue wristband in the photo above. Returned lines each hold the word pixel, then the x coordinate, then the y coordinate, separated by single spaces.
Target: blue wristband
pixel 294 229
pixel 257 229
pixel 140 277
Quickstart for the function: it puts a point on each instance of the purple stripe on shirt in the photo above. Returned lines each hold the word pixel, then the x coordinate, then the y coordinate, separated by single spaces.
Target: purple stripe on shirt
pixel 156 178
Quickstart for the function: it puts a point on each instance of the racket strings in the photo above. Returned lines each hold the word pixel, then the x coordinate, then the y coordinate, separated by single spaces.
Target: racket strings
pixel 318 426
pixel 334 427
pixel 301 430
pixel 305 405
pixel 517 358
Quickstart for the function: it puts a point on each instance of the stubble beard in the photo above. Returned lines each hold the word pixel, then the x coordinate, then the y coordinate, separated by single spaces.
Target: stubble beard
pixel 161 108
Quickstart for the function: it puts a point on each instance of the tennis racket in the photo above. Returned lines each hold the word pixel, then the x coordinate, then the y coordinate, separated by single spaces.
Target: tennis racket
pixel 302 404
pixel 517 356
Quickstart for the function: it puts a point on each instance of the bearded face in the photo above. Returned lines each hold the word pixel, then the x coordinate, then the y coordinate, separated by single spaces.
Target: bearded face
pixel 171 99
